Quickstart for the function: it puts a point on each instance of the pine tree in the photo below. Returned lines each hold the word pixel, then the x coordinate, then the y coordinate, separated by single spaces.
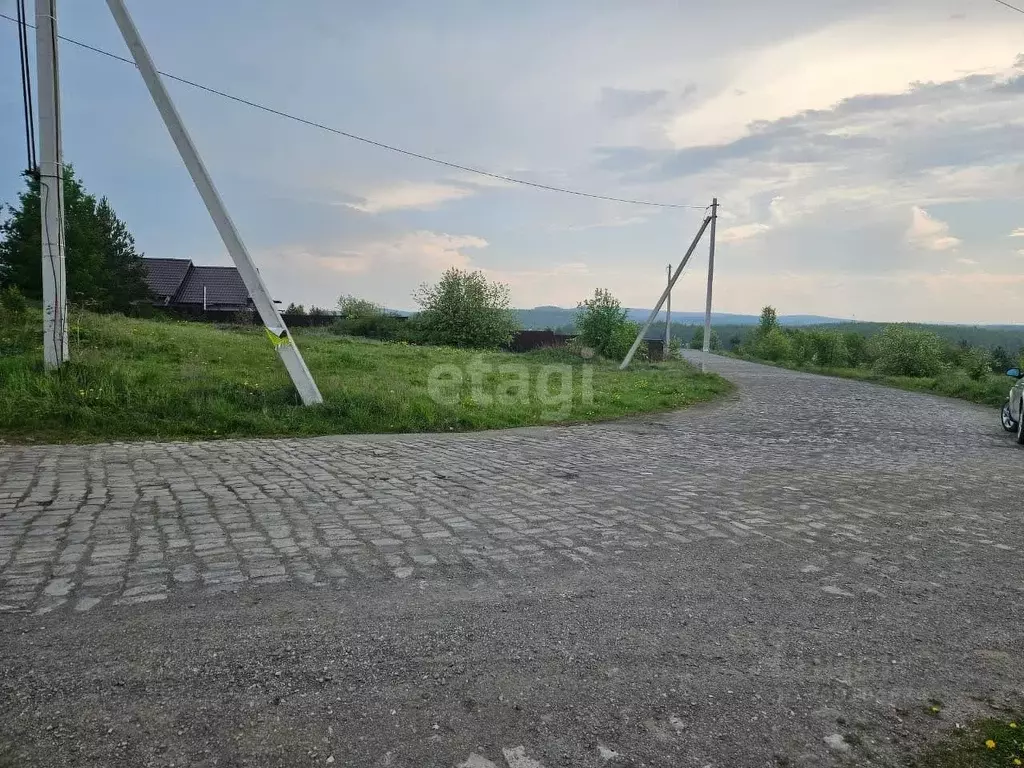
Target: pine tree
pixel 104 271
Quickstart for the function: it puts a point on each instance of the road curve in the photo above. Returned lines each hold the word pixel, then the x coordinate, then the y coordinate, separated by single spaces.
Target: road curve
pixel 786 577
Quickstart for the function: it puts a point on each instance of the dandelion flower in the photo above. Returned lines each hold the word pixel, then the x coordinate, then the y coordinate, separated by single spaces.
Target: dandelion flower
pixel 990 744
pixel 1013 725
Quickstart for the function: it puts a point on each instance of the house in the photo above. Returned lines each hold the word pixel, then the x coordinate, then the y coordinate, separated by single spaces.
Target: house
pixel 181 285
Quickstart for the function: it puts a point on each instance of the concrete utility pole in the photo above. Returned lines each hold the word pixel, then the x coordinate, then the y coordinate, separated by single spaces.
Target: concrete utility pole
pixel 668 313
pixel 711 280
pixel 671 284
pixel 283 342
pixel 51 189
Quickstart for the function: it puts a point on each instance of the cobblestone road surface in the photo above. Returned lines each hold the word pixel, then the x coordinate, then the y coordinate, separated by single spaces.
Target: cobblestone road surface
pixel 874 501
pixel 797 459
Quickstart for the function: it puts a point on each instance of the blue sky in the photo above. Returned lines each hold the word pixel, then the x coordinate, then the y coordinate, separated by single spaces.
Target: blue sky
pixel 868 155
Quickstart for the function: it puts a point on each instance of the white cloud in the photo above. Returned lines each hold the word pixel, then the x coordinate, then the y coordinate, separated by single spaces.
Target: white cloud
pixel 875 55
pixel 422 251
pixel 557 285
pixel 1018 232
pixel 410 195
pixel 968 262
pixel 610 223
pixel 740 232
pixel 928 232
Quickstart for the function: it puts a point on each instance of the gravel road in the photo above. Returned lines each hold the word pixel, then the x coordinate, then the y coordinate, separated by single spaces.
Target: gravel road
pixel 790 577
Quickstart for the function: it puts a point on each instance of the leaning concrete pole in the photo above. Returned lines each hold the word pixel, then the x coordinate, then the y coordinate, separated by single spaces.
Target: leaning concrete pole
pixel 283 342
pixel 671 283
pixel 711 282
pixel 51 189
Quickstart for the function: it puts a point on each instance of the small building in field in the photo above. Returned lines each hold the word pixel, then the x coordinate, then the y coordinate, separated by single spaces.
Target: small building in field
pixel 178 284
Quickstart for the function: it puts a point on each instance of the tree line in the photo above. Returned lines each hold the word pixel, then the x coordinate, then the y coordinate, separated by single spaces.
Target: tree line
pixel 894 350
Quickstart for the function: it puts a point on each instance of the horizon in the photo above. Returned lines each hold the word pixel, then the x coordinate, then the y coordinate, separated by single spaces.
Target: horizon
pixel 882 182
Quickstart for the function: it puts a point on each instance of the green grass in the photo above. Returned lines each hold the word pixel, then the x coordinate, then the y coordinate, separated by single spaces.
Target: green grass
pixel 991 390
pixel 134 379
pixel 991 743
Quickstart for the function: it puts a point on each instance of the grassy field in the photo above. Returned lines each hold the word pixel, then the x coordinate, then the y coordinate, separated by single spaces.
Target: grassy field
pixel 135 379
pixel 991 390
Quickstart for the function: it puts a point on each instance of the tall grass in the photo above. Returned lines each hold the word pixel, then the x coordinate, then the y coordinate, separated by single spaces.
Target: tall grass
pixel 136 379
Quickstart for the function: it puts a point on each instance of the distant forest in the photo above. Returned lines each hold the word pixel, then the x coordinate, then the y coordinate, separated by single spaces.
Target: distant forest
pixel 1009 337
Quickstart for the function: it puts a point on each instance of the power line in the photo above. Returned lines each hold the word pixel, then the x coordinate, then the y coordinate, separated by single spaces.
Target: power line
pixel 26 86
pixel 1011 7
pixel 372 142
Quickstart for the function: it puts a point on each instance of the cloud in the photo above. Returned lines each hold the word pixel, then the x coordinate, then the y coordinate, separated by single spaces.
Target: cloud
pixel 928 232
pixel 741 232
pixel 609 223
pixel 625 102
pixel 1018 232
pixel 868 56
pixel 421 251
pixel 410 196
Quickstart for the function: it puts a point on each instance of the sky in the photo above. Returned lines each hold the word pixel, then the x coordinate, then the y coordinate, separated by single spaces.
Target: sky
pixel 868 156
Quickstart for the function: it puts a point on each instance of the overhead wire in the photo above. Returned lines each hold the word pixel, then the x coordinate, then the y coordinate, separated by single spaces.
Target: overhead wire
pixel 26 87
pixel 373 142
pixel 1011 7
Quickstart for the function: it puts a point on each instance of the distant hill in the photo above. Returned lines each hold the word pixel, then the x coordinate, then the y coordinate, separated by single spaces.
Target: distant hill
pixel 540 318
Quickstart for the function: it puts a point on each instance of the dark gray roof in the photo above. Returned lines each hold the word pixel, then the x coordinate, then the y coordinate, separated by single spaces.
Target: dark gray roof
pixel 164 276
pixel 224 287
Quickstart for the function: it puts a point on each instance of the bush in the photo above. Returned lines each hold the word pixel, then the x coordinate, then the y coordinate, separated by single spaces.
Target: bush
pixel 697 342
pixel 13 306
pixel 856 348
pixel 976 362
pixel 622 339
pixel 601 323
pixel 775 345
pixel 828 349
pixel 18 332
pixel 359 317
pixel 465 309
pixel 383 327
pixel 902 351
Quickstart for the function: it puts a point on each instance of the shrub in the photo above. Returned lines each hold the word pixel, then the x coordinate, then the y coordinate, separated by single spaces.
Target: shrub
pixel 828 349
pixel 775 345
pixel 359 317
pixel 697 342
pixel 856 348
pixel 465 309
pixel 600 322
pixel 18 332
pixel 13 306
pixel 902 351
pixel 976 362
pixel 622 339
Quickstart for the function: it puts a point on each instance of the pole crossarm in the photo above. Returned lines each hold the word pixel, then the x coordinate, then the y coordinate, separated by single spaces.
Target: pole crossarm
pixel 286 349
pixel 654 312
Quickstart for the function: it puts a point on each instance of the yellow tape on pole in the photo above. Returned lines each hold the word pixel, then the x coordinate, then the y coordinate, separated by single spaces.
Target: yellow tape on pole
pixel 276 340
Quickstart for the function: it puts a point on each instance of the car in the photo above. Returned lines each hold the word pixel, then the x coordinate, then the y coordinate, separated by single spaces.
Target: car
pixel 1012 414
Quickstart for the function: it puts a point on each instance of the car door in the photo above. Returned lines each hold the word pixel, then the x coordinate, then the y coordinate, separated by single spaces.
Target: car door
pixel 1015 399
